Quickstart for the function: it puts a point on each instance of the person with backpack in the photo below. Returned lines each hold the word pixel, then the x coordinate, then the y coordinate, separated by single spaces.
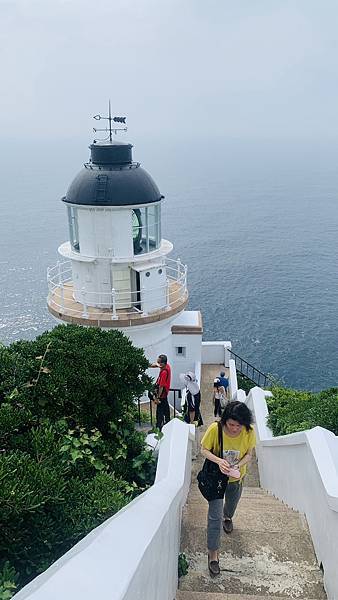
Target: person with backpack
pixel 224 381
pixel 162 387
pixel 192 413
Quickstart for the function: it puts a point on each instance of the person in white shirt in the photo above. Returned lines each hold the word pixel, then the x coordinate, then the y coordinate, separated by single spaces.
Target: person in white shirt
pixel 193 398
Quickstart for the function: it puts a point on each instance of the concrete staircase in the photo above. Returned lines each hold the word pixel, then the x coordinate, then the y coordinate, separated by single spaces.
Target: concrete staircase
pixel 268 555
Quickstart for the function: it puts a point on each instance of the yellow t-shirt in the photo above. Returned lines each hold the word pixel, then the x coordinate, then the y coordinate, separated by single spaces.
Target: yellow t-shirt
pixel 234 448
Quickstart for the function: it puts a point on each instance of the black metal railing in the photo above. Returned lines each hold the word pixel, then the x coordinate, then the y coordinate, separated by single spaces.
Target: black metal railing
pixel 148 407
pixel 249 371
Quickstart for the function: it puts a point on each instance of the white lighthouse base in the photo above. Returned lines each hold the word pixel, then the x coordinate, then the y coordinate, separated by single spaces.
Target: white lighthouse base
pixel 180 338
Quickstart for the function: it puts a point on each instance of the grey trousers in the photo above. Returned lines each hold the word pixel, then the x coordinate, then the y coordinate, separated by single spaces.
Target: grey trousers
pixel 222 509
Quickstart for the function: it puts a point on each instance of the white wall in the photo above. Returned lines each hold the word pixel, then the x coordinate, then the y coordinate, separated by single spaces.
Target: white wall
pixel 302 470
pixel 105 232
pixel 155 338
pixel 233 387
pixel 215 353
pixel 133 555
pixel 181 364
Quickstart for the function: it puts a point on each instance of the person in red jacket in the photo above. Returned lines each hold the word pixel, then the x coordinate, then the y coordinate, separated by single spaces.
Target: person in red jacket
pixel 162 388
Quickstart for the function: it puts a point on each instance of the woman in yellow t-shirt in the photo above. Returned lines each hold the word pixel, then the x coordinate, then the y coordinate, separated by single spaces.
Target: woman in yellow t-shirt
pixel 238 443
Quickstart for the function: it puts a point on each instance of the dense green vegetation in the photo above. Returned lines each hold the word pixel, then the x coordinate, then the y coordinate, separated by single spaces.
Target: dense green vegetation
pixel 244 383
pixel 292 410
pixel 70 455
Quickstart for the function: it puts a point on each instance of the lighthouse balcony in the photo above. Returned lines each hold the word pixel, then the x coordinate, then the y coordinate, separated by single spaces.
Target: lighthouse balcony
pixel 135 303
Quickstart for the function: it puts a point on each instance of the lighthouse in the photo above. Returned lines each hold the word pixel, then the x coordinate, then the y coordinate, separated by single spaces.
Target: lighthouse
pixel 114 271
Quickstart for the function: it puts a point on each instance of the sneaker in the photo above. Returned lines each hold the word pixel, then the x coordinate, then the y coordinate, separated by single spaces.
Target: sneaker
pixel 228 525
pixel 213 566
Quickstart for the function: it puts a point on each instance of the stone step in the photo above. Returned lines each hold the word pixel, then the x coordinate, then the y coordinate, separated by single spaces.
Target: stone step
pixel 249 519
pixel 248 492
pixel 261 503
pixel 219 596
pixel 261 575
pixel 281 546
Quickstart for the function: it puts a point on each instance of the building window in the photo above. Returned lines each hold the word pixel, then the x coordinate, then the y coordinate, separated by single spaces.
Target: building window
pixel 146 225
pixel 73 228
pixel 180 351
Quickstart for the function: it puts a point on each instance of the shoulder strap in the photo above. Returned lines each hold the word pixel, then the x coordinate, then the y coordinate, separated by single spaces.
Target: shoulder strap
pixel 220 439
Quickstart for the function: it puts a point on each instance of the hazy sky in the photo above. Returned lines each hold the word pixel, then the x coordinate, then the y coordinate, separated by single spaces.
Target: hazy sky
pixel 243 68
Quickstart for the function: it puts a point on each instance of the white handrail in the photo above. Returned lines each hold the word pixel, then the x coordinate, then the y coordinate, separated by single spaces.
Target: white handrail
pixel 301 469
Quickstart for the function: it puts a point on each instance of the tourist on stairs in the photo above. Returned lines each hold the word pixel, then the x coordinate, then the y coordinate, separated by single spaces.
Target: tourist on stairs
pixel 191 409
pixel 238 444
pixel 162 387
pixel 219 398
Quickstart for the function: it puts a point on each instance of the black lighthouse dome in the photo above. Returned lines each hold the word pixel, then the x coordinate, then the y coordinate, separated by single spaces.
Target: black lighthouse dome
pixel 111 178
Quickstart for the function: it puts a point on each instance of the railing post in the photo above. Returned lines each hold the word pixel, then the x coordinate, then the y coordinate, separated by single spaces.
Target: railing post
pixel 174 403
pixel 85 311
pixel 179 263
pixel 143 295
pixel 61 286
pixel 62 297
pixel 168 294
pixel 113 298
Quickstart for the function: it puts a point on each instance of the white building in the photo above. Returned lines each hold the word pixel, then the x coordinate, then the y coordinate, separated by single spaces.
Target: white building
pixel 115 270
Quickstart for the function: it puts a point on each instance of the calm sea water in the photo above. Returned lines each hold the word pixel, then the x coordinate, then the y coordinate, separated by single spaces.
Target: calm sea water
pixel 257 224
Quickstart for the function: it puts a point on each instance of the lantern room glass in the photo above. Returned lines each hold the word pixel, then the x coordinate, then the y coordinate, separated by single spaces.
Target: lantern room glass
pixel 146 225
pixel 73 228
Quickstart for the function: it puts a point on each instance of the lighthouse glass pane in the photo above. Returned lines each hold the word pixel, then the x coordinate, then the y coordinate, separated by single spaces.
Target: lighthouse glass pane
pixel 146 227
pixel 153 226
pixel 73 228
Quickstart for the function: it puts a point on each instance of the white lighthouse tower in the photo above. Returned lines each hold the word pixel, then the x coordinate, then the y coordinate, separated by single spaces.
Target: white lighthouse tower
pixel 115 271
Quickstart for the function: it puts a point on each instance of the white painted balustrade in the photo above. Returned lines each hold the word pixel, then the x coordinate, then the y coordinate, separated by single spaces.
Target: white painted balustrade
pixel 169 294
pixel 301 469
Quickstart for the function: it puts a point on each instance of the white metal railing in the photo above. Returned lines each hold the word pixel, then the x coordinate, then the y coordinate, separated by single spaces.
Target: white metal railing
pixel 119 304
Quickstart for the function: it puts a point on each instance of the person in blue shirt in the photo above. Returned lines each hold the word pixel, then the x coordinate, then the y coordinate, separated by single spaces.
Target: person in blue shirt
pixel 224 381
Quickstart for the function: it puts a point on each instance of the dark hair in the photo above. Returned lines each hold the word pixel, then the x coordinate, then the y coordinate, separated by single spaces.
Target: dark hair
pixel 238 411
pixel 222 374
pixel 163 359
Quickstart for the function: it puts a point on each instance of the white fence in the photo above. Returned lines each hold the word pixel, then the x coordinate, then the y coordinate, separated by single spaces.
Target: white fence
pixel 133 555
pixel 233 386
pixel 215 353
pixel 62 288
pixel 302 470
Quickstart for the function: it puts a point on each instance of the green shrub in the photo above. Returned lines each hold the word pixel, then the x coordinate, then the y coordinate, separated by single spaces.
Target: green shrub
pixel 8 581
pixel 293 410
pixel 244 383
pixel 70 456
pixel 183 565
pixel 88 375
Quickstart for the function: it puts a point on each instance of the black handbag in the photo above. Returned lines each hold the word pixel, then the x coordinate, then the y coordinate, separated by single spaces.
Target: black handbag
pixel 212 482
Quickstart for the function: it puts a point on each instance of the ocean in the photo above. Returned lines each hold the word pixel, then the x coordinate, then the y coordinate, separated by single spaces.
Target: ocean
pixel 256 222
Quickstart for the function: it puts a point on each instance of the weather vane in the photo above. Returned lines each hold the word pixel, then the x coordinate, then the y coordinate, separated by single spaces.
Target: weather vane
pixel 110 128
